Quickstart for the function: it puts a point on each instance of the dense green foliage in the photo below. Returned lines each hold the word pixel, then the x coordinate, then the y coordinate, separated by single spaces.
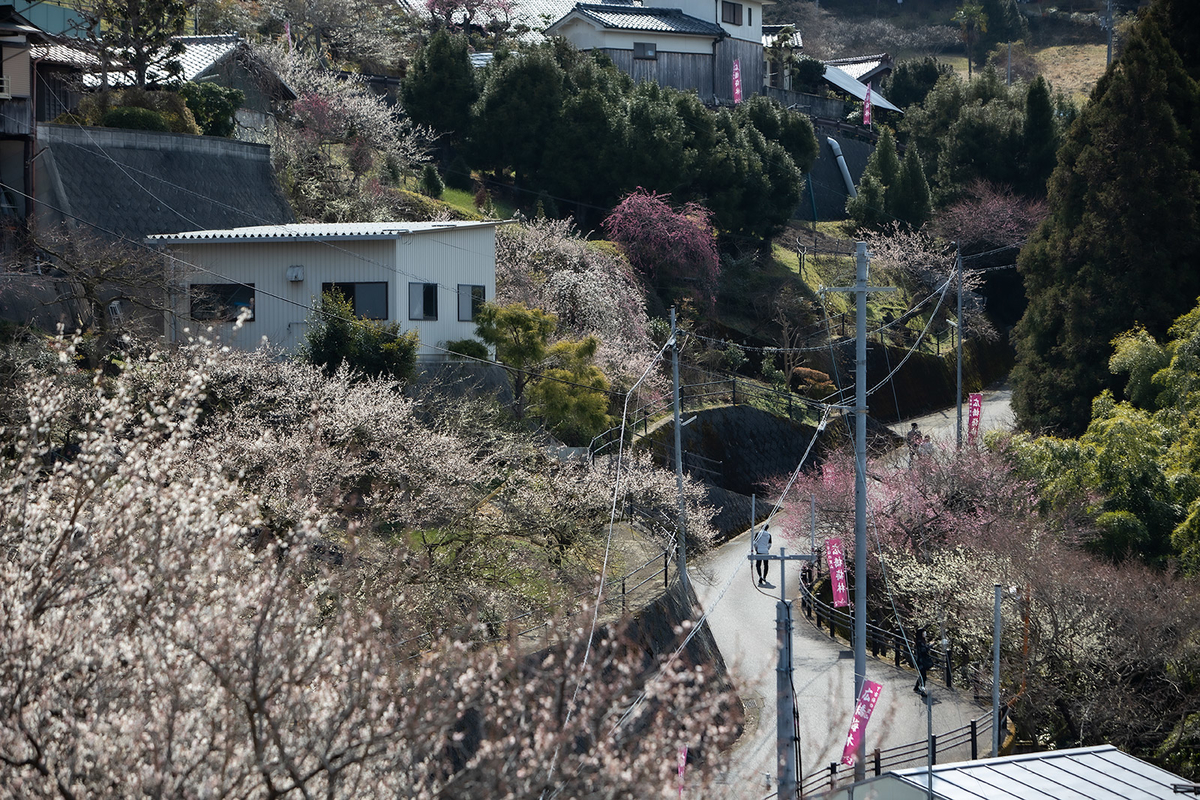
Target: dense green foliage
pixel 213 106
pixel 336 337
pixel 1118 249
pixel 440 86
pixel 891 191
pixel 912 80
pixel 572 125
pixel 136 119
pixel 1136 469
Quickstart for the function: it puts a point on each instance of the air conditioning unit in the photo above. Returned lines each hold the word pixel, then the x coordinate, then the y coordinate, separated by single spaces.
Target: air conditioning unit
pixel 5 87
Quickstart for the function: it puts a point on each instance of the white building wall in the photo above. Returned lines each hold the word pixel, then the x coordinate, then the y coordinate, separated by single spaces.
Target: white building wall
pixel 282 307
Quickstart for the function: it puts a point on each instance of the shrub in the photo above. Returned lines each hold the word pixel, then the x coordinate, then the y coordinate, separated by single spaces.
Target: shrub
pixel 213 107
pixel 471 348
pixel 337 337
pixel 458 175
pixel 810 383
pixel 136 119
pixel 431 182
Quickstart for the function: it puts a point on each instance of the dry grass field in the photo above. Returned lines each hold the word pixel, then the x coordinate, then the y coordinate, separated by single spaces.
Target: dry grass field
pixel 1072 69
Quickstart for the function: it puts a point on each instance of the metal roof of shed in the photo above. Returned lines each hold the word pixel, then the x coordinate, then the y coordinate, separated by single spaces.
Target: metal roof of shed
pixel 1084 773
pixel 847 83
pixel 317 232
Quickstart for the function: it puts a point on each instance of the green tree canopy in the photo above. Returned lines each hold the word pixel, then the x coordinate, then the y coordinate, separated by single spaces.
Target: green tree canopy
pixel 440 86
pixel 336 337
pixel 572 398
pixel 521 336
pixel 1118 248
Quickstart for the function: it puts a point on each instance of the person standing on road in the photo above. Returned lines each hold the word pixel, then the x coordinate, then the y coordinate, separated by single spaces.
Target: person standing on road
pixel 762 547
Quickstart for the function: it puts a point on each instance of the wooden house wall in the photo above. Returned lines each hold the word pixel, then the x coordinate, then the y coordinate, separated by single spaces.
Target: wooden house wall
pixel 687 71
pixel 750 55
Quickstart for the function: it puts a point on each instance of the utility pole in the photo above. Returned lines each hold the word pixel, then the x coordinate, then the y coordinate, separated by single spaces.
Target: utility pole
pixel 860 290
pixel 787 782
pixel 958 384
pixel 681 545
pixel 996 675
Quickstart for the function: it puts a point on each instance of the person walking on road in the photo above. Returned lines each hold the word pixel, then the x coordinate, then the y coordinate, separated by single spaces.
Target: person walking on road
pixel 914 439
pixel 762 547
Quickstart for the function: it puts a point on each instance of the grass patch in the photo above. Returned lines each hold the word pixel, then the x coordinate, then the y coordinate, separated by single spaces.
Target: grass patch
pixel 461 199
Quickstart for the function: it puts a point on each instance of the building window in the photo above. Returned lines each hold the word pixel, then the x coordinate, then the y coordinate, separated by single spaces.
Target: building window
pixel 731 13
pixel 366 299
pixel 646 50
pixel 470 300
pixel 221 302
pixel 749 16
pixel 422 301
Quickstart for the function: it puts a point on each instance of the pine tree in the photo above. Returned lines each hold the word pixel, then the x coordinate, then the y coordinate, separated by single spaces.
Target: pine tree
pixel 440 87
pixel 872 207
pixel 1040 138
pixel 908 198
pixel 1118 249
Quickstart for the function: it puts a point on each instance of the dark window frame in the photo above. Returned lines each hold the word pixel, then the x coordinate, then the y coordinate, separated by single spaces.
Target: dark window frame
pixel 220 302
pixel 352 295
pixel 731 13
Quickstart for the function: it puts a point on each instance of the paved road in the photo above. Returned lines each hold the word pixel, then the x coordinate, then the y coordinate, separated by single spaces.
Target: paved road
pixel 743 623
pixel 941 425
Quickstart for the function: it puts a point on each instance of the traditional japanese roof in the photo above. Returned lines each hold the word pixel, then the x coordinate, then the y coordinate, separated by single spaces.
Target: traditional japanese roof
pixel 317 232
pixel 771 32
pixel 848 84
pixel 863 68
pixel 623 17
pixel 56 53
pixel 1084 773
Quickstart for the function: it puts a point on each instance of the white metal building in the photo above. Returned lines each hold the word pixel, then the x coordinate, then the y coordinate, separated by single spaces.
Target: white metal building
pixel 1083 773
pixel 427 276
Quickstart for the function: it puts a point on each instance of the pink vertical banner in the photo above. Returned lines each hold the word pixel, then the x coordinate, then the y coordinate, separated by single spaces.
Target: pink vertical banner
pixel 867 107
pixel 858 724
pixel 682 768
pixel 837 571
pixel 974 412
pixel 737 81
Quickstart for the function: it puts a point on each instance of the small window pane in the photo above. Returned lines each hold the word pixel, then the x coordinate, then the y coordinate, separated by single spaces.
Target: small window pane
pixel 422 301
pixel 370 300
pixel 646 50
pixel 470 298
pixel 731 13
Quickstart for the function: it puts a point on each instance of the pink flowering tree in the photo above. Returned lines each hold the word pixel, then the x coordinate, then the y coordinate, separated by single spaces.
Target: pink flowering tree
pixel 674 250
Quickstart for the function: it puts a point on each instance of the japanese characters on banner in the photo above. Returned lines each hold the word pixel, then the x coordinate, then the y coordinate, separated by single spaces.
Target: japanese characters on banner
pixel 858 724
pixel 737 81
pixel 682 768
pixel 975 410
pixel 867 107
pixel 837 571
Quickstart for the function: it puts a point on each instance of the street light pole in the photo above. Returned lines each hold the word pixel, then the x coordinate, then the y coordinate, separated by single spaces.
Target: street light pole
pixel 682 542
pixel 959 358
pixel 996 675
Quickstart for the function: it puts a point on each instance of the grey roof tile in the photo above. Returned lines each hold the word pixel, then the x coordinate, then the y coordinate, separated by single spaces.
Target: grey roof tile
pixel 659 20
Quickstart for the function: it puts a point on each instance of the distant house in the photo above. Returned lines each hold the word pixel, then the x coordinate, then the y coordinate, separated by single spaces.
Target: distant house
pixel 16 112
pixel 1085 773
pixel 227 61
pixel 781 47
pixel 707 47
pixel 430 277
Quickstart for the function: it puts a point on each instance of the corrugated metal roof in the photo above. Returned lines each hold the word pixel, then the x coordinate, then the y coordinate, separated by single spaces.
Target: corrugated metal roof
pixel 848 84
pixel 658 20
pixel 1085 773
pixel 317 231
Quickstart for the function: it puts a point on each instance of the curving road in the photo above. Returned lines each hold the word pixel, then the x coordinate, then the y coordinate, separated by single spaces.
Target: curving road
pixel 742 620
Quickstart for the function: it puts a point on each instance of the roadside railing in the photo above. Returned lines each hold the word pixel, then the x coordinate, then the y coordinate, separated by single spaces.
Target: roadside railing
pixel 905 755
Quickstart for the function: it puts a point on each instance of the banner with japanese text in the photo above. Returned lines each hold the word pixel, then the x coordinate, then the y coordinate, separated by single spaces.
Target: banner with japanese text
pixel 867 107
pixel 837 571
pixel 737 81
pixel 682 768
pixel 858 723
pixel 974 412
